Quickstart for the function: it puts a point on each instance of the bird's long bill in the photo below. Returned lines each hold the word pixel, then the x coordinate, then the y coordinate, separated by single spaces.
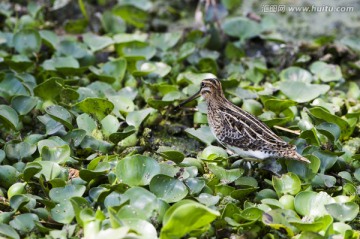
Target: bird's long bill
pixel 197 94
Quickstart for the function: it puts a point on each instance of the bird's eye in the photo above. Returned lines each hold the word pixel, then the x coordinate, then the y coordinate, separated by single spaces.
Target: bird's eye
pixel 202 84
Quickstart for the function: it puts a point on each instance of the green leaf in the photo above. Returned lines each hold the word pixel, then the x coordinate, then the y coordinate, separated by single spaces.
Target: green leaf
pixel 171 154
pixel 137 170
pixel 49 89
pixel 19 151
pixel 301 92
pixel 343 211
pixel 241 27
pixel 97 107
pixel 61 115
pixel 111 71
pixel 203 134
pixel 24 223
pixel 287 184
pixel 309 203
pixel 58 154
pixel 278 219
pixel 330 130
pixel 132 15
pixel 225 176
pixel 9 117
pixel 23 104
pixel 118 136
pixel 326 72
pixel 296 74
pixel 168 188
pixel 8 176
pixel 321 113
pixel 190 215
pixel 8 231
pixel 135 118
pixel 27 41
pixel 165 41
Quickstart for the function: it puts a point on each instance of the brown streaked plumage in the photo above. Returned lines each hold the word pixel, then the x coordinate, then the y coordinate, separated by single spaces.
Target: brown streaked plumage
pixel 240 131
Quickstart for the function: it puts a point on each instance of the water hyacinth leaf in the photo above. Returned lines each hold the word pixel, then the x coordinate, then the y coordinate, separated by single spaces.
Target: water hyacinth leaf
pixel 330 130
pixel 49 89
pixel 208 199
pixel 111 71
pixel 276 105
pixel 101 169
pixel 27 41
pixel 50 170
pixel 193 78
pixel 287 184
pixel 161 70
pixel 23 104
pixel 137 170
pixel 191 215
pixel 296 74
pixel 95 42
pixel 326 72
pixel 8 231
pixel 327 159
pixel 203 134
pixel 306 172
pixel 72 48
pixel 322 114
pixel 8 176
pixel 195 186
pixel 58 154
pixel 309 203
pixel 241 27
pixel 135 50
pixel 302 92
pixel 97 107
pixel 319 224
pixel 24 223
pixel 142 228
pixel 213 152
pixel 60 114
pixel 225 176
pixel 165 41
pixel 19 201
pixel 135 118
pixel 19 151
pixel 30 170
pixel 11 86
pixel 171 154
pixel 85 122
pixel 143 69
pixel 186 50
pixel 60 194
pixel 110 124
pixel 132 15
pixel 168 188
pixel 9 117
pixel 251 214
pixel 343 211
pixel 279 219
pixel 241 194
pixel 118 136
pixel 58 63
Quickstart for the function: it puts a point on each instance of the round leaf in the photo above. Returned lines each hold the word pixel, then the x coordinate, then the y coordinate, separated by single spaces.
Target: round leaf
pixel 167 188
pixel 137 170
pixel 27 41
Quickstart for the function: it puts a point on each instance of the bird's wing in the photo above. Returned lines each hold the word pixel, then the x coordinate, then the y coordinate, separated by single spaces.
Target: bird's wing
pixel 243 129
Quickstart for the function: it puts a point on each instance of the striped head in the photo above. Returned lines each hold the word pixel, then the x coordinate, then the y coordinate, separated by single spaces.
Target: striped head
pixel 209 89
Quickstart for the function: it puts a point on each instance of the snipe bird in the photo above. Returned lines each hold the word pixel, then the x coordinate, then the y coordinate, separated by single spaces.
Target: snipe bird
pixel 238 130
